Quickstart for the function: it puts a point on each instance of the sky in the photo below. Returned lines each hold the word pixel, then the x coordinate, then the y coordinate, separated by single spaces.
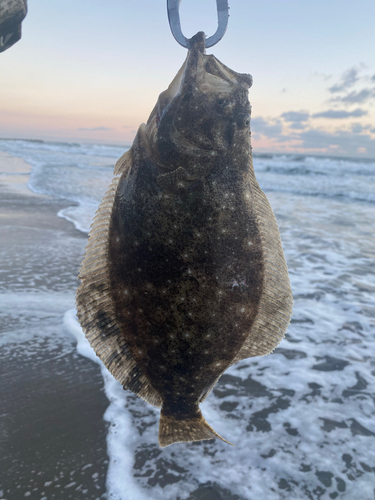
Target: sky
pixel 91 71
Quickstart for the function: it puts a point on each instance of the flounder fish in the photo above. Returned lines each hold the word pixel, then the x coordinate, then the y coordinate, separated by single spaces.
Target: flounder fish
pixel 184 273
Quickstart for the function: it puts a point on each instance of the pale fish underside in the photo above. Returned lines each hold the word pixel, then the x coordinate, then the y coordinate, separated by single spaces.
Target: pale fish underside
pixel 184 273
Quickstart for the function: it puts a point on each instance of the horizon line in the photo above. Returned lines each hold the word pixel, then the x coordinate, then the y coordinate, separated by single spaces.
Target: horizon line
pixel 255 154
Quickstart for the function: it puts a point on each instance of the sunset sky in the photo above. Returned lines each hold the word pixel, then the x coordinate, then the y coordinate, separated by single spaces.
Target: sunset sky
pixel 91 71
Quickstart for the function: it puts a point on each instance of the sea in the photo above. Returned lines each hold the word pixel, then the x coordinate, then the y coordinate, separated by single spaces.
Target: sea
pixel 302 419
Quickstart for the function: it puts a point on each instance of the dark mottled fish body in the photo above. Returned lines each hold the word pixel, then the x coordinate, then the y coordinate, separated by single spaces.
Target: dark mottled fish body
pixel 184 273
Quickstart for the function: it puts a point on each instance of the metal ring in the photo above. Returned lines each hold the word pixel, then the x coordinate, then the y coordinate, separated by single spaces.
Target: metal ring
pixel 173 7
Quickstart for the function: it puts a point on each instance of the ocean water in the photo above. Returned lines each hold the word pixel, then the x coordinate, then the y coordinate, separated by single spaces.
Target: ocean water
pixel 301 419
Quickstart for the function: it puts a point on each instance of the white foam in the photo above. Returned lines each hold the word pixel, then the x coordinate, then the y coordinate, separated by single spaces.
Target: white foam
pixel 316 176
pixel 81 216
pixel 28 309
pixel 121 439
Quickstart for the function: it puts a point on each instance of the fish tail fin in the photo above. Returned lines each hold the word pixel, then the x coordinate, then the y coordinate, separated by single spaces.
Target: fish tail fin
pixel 174 429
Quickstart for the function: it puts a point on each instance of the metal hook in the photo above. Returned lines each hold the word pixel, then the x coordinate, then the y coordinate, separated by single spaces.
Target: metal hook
pixel 175 24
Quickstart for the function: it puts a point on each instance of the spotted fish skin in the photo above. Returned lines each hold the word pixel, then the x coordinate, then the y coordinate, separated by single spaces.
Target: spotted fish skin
pixel 192 275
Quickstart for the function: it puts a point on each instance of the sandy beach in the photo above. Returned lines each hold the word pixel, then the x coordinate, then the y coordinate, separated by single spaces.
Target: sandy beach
pixel 52 432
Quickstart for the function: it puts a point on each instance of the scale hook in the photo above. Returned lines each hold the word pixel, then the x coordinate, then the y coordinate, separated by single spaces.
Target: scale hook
pixel 173 7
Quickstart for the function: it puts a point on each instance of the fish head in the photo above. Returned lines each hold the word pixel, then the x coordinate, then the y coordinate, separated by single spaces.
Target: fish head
pixel 202 116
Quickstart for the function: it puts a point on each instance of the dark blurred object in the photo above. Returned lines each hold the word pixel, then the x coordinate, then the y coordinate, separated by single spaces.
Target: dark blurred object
pixel 12 13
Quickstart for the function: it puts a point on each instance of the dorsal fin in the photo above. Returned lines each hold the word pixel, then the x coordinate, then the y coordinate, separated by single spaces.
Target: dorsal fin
pixel 95 309
pixel 123 164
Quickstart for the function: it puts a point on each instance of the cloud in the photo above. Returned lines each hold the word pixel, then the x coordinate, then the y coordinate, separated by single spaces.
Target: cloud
pixel 348 79
pixel 93 129
pixel 345 142
pixel 268 128
pixel 350 142
pixel 339 113
pixel 324 76
pixel 357 128
pixel 295 116
pixel 297 125
pixel 357 140
pixel 356 97
pixel 296 119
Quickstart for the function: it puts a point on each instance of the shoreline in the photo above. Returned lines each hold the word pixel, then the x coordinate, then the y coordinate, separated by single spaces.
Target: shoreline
pixel 52 432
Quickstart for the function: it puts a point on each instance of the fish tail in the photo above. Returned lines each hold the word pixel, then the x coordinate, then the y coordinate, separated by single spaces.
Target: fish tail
pixel 174 429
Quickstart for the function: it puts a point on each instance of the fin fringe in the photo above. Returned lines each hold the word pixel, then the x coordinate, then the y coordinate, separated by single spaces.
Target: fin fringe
pixel 95 310
pixel 124 163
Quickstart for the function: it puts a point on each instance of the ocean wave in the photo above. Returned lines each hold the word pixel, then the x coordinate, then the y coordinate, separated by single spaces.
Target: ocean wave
pixel 368 197
pixel 24 146
pixel 314 165
pixel 80 215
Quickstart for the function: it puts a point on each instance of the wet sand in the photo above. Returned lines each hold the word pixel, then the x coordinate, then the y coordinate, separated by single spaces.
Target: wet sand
pixel 52 432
